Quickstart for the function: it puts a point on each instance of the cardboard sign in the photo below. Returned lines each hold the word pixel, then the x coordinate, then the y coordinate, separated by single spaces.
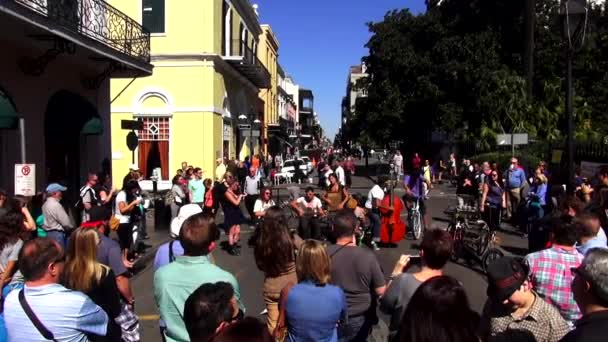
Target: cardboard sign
pixel 25 179
pixel 590 169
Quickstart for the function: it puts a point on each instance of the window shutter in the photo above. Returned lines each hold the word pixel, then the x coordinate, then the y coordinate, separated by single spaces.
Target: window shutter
pixel 153 15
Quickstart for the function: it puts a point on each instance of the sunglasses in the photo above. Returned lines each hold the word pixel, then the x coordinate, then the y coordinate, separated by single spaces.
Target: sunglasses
pixel 494 175
pixel 267 193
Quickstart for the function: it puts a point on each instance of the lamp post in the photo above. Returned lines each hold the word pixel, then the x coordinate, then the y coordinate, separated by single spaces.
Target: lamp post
pixel 251 120
pixel 574 18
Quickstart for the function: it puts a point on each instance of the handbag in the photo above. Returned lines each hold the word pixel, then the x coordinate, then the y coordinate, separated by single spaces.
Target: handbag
pixel 280 331
pixel 114 223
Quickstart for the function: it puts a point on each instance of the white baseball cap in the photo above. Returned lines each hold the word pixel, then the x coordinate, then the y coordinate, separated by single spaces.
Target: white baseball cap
pixel 185 212
pixel 134 167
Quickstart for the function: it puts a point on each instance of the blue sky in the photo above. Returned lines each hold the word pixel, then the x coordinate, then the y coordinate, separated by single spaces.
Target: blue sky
pixel 320 39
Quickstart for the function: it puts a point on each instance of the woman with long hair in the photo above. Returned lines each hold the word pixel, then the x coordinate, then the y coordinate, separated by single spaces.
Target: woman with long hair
pixel 335 195
pixel 209 203
pixel 11 241
pixel 493 200
pixel 178 195
pixel 127 211
pixel 274 254
pixel 231 198
pixel 439 311
pixel 82 272
pixel 313 307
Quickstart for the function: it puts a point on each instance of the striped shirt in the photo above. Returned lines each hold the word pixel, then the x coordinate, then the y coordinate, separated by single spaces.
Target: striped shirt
pixel 551 278
pixel 69 315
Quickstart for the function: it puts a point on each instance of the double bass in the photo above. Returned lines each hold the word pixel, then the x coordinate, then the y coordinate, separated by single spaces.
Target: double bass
pixel 392 228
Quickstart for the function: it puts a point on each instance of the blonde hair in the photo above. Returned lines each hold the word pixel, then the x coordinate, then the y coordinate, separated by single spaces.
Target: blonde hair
pixel 82 270
pixel 313 263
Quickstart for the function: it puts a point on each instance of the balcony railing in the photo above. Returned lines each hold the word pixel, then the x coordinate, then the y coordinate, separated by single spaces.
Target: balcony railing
pixel 244 59
pixel 98 20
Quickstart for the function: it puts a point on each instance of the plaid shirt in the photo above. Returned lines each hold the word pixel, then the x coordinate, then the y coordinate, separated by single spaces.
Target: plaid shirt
pixel 551 278
pixel 542 322
pixel 129 323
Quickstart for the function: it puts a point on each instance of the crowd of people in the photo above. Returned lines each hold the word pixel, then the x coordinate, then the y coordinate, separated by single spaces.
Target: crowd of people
pixel 68 281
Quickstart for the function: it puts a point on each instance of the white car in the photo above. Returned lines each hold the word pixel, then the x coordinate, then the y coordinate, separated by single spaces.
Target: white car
pixel 308 164
pixel 289 166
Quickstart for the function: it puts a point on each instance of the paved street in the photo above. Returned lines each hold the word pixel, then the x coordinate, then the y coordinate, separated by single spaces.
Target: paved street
pixel 251 280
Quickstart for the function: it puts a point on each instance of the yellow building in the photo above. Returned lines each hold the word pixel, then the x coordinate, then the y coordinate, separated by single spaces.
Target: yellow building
pixel 206 76
pixel 268 54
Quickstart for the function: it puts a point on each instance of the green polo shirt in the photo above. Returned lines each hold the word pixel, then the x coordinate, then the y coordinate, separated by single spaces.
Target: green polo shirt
pixel 173 284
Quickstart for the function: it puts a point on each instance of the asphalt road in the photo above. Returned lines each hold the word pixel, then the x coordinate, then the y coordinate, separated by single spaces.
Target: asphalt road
pixel 251 279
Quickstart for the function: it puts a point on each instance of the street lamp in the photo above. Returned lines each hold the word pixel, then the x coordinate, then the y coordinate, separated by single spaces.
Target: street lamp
pixel 249 119
pixel 574 18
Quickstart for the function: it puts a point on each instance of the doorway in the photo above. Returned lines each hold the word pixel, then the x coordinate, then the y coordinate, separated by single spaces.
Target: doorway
pixel 64 119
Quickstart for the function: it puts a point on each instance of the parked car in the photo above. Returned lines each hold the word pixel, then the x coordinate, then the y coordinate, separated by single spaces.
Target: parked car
pixel 289 166
pixel 308 164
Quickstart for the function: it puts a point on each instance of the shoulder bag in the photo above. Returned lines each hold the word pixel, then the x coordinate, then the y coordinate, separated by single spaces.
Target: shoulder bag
pixel 46 333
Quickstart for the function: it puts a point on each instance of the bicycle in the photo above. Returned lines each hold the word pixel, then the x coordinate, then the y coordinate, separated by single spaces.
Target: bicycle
pixel 472 236
pixel 414 219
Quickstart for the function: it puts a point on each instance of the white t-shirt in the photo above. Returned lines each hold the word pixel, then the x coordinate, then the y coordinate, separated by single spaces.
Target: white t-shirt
pixel 341 176
pixel 376 193
pixel 398 160
pixel 601 234
pixel 314 204
pixel 121 197
pixel 262 206
pixel 329 172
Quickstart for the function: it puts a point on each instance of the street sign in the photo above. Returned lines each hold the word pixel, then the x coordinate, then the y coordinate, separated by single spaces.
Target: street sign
pixel 518 139
pixel 132 141
pixel 134 125
pixel 247 133
pixel 25 179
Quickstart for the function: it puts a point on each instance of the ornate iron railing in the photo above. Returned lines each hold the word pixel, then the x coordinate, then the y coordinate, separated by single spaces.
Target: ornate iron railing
pixel 97 20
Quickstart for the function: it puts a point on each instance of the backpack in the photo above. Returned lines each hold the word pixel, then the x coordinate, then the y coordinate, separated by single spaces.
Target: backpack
pixel 79 206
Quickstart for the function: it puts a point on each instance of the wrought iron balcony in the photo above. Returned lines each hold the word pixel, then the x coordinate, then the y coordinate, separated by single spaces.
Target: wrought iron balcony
pixel 244 59
pixel 95 19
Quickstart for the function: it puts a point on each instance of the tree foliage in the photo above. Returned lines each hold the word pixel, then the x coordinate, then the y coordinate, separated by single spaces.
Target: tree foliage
pixel 458 69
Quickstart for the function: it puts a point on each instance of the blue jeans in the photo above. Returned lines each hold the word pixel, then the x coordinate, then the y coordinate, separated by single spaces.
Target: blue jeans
pixel 374 222
pixel 57 236
pixel 356 329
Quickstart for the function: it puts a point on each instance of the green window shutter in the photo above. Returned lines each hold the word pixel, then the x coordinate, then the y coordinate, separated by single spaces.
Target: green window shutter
pixel 153 15
pixel 8 113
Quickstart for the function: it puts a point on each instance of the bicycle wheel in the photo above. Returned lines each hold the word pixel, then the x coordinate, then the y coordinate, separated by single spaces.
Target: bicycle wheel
pixel 456 242
pixel 490 256
pixel 416 226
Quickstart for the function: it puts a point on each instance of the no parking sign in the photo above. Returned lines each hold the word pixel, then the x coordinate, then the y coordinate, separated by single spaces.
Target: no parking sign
pixel 25 179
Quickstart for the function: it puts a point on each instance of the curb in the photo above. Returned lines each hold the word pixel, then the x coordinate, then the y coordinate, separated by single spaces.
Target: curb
pixel 144 261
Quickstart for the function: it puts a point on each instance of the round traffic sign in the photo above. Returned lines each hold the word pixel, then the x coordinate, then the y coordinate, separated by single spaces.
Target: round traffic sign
pixel 132 141
pixel 25 170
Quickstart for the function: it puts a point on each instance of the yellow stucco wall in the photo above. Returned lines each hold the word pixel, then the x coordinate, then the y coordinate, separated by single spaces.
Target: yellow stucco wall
pixel 192 88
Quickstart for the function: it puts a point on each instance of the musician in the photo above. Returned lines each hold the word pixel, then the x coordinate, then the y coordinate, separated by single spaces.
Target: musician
pixel 414 190
pixel 372 206
pixel 263 203
pixel 309 209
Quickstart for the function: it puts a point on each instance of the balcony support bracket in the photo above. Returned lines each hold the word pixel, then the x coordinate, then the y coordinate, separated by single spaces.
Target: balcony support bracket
pixel 35 66
pixel 94 82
